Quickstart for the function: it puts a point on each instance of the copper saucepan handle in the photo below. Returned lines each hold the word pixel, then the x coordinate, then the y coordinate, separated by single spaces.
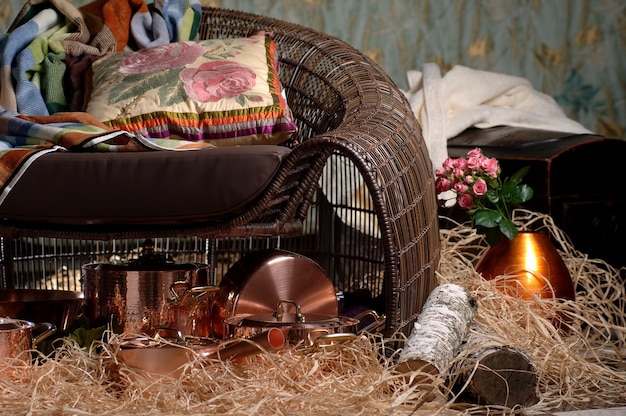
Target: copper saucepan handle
pixel 270 340
pixel 48 329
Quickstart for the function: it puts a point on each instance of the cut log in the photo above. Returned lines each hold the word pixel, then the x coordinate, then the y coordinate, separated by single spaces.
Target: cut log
pixel 496 375
pixel 439 330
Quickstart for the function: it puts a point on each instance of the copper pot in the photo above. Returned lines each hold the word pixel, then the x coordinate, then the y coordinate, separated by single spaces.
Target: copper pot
pixel 18 336
pixel 255 283
pixel 531 267
pixel 131 296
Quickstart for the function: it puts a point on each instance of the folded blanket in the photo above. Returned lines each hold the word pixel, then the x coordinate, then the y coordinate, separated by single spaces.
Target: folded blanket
pixel 50 36
pixel 24 138
pixel 463 97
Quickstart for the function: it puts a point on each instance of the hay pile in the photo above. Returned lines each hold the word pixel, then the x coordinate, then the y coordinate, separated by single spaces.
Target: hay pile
pixel 584 369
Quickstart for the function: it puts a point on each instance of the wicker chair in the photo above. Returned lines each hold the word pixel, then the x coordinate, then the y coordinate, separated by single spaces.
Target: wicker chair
pixel 346 105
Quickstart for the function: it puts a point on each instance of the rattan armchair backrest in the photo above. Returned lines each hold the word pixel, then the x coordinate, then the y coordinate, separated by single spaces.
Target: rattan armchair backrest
pixel 344 101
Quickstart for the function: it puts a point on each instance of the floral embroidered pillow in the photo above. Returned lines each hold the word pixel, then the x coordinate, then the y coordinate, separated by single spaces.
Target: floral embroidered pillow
pixel 223 92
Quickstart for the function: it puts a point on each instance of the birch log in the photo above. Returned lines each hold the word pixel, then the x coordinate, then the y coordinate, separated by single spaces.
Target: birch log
pixel 439 330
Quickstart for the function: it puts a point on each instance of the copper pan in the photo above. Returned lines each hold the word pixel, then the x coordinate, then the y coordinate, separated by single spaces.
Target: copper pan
pixel 300 329
pixel 257 282
pixel 59 307
pixel 163 357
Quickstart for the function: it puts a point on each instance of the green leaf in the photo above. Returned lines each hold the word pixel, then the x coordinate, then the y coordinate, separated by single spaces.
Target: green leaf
pixel 525 193
pixel 492 196
pixel 173 93
pixel 519 175
pixel 241 100
pixel 136 85
pixel 492 235
pixel 487 218
pixel 508 229
pixel 508 191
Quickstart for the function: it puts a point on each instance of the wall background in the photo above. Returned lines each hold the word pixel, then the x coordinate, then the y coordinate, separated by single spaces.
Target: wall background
pixel 573 50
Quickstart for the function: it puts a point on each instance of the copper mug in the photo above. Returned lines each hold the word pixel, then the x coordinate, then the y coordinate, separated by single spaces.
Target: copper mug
pixel 18 336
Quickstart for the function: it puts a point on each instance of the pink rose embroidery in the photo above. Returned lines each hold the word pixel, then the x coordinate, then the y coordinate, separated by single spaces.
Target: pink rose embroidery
pixel 160 58
pixel 213 81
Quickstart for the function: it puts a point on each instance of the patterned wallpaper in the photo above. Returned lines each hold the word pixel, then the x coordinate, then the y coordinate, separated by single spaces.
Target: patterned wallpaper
pixel 573 50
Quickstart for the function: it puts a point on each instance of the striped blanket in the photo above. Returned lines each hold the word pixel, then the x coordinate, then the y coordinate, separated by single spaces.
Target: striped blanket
pixel 43 61
pixel 51 44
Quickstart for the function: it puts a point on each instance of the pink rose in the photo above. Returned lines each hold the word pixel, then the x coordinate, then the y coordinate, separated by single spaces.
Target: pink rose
pixel 489 164
pixel 460 164
pixel 473 163
pixel 160 58
pixel 480 187
pixel 475 152
pixel 442 185
pixel 215 80
pixel 465 201
pixel 460 187
pixel 448 164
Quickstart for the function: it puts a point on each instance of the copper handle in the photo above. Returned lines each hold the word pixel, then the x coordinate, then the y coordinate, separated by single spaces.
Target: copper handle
pixel 280 311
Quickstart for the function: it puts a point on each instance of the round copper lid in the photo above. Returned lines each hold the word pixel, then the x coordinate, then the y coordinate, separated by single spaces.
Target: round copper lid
pixel 148 260
pixel 258 281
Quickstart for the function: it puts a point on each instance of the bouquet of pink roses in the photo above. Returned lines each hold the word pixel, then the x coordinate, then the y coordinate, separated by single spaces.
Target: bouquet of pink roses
pixel 473 182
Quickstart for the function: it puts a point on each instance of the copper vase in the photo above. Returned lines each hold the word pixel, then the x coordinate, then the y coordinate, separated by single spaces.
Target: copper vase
pixel 534 264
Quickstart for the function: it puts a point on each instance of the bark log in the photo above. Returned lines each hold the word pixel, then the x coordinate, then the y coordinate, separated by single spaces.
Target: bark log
pixel 439 330
pixel 496 375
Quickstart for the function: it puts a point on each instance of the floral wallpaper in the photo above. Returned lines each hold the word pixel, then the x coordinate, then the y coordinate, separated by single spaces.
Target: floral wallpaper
pixel 573 50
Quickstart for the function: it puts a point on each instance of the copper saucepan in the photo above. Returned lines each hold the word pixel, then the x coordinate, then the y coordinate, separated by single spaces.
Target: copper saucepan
pixel 59 307
pixel 18 336
pixel 190 311
pixel 300 329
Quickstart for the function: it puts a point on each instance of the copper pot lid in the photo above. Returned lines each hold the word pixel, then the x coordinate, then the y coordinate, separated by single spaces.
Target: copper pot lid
pixel 149 260
pixel 255 283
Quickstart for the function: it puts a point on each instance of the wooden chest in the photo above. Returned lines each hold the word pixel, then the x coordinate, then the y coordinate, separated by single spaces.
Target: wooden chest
pixel 580 180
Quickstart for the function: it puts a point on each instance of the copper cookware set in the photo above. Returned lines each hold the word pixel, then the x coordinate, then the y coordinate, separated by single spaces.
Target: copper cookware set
pixel 267 300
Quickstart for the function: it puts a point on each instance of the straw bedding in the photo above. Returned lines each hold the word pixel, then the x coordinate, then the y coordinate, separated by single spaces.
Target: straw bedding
pixel 584 368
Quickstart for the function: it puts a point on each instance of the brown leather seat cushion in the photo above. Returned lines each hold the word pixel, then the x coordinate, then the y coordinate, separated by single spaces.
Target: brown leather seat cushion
pixel 142 187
